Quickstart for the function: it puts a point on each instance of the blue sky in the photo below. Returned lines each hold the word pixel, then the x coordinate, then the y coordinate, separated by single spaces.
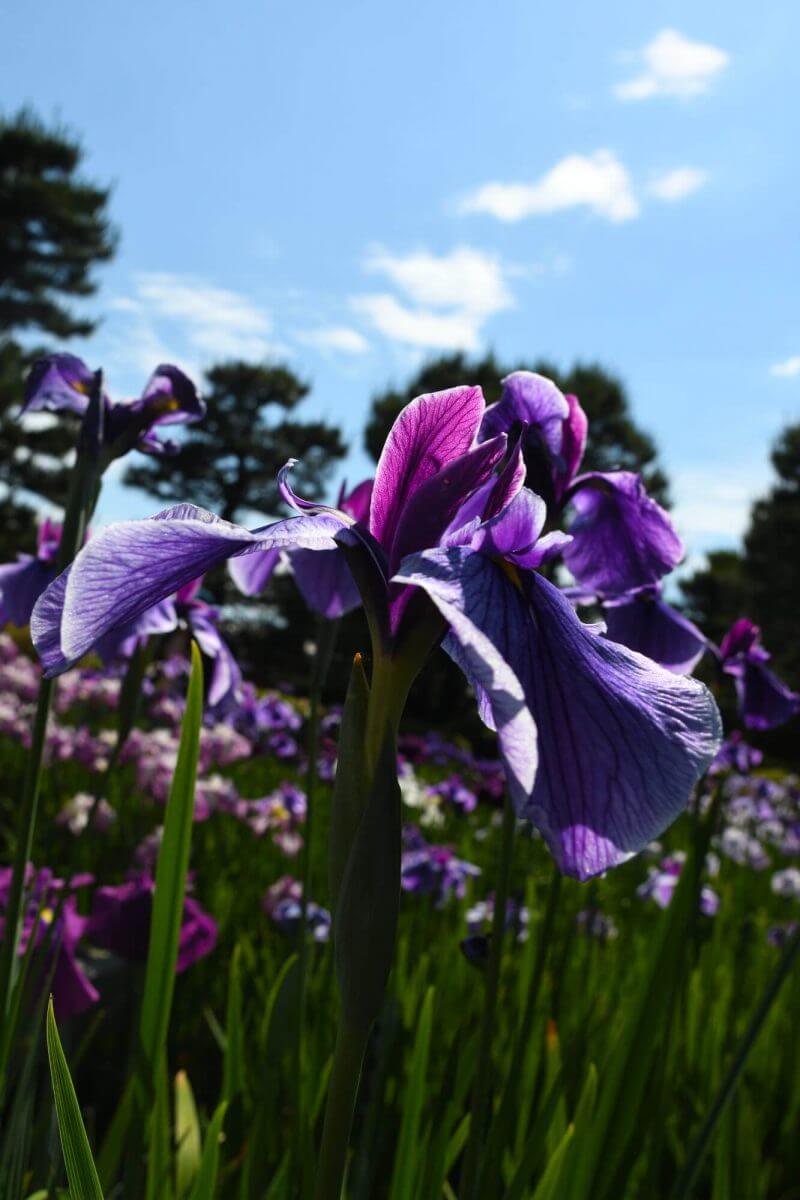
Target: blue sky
pixel 354 187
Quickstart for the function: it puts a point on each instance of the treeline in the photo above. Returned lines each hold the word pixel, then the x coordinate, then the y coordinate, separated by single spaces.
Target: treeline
pixel 55 230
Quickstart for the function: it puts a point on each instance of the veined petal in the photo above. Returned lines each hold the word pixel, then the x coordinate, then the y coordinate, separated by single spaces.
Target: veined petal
pixel 646 623
pixel 621 741
pixel 764 700
pixel 226 674
pixel 622 540
pixel 436 502
pixel 573 444
pixel 129 567
pixel 465 603
pixel 429 433
pixel 356 503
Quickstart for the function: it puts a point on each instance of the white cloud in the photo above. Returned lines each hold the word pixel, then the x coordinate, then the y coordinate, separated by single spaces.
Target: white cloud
pixel 446 299
pixel 336 337
pixel 419 326
pixel 786 369
pixel 677 184
pixel 673 66
pixel 599 182
pixel 218 322
pixel 713 502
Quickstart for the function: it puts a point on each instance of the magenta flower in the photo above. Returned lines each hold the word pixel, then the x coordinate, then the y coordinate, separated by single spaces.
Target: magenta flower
pixel 63 383
pixel 119 921
pixel 451 549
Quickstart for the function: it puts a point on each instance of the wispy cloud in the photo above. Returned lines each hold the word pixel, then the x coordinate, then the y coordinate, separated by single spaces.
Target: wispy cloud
pixel 445 300
pixel 673 65
pixel 339 338
pixel 217 321
pixel 677 184
pixel 788 369
pixel 713 502
pixel 599 182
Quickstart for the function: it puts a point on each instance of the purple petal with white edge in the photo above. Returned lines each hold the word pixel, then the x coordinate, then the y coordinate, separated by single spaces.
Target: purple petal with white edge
pixel 46 626
pixel 436 502
pixel 226 674
pixel 437 572
pixel 325 582
pixel 646 623
pixel 429 433
pixel 532 400
pixel 621 741
pixel 252 572
pixel 297 502
pixel 622 540
pixel 128 567
pixel 58 383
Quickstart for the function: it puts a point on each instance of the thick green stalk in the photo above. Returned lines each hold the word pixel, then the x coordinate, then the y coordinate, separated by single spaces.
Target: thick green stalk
pixel 81 503
pixel 470 1175
pixel 342 1092
pixel 326 639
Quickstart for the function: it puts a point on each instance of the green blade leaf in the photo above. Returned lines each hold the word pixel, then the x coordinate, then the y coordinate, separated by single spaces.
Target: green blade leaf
pixel 81 1172
pixel 234 1067
pixel 408 1157
pixel 206 1180
pixel 348 800
pixel 187 1135
pixel 168 900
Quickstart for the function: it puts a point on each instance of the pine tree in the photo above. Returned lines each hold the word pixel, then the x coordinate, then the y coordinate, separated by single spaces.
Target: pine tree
pixel 54 229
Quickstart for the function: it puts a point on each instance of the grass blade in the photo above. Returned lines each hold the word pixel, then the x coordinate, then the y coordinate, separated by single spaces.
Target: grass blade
pixel 81 1172
pixel 406 1159
pixel 206 1181
pixel 187 1136
pixel 168 900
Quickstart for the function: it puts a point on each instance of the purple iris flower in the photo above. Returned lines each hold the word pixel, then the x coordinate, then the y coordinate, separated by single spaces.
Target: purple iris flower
pixel 119 921
pixel 661 883
pixel 451 549
pixel 52 919
pixel 764 701
pixel 323 577
pixel 22 582
pixel 432 870
pixel 736 755
pixel 63 383
pixel 282 902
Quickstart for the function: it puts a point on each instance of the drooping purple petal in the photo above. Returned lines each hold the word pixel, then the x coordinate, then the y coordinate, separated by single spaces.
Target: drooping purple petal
pixel 172 397
pixel 532 400
pixel 325 582
pixel 131 566
pixel 505 709
pixel 764 700
pixel 646 623
pixel 226 674
pixel 252 572
pixel 621 741
pixel 58 383
pixel 429 433
pixel 123 639
pixel 621 539
pixel 743 637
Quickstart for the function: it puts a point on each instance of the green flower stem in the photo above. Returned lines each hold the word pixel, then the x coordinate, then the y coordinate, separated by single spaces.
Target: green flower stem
pixel 83 497
pixel 470 1175
pixel 342 1091
pixel 326 640
pixel 80 506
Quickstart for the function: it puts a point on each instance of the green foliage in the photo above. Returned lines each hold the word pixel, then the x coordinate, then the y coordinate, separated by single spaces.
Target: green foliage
pixel 615 440
pixel 81 1171
pixel 717 594
pixel 770 554
pixel 54 229
pixel 229 461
